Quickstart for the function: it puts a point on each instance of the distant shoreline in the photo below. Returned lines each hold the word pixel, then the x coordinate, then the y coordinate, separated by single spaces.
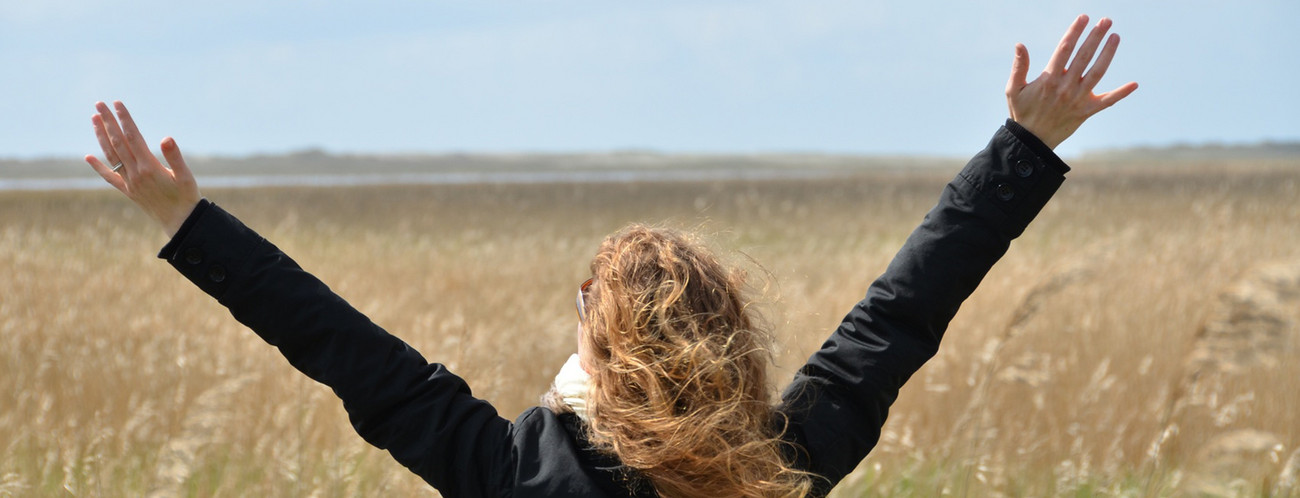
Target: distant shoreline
pixel 315 168
pixel 445 178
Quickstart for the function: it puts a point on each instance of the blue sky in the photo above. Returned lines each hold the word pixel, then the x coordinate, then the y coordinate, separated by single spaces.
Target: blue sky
pixel 397 76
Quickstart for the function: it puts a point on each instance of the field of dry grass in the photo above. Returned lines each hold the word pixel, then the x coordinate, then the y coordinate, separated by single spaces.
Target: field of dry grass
pixel 1139 340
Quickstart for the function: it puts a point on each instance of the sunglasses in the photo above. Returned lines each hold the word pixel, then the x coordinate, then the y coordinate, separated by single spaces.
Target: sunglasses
pixel 582 306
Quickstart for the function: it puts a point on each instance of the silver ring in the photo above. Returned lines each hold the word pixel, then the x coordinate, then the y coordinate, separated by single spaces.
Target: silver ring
pixel 117 166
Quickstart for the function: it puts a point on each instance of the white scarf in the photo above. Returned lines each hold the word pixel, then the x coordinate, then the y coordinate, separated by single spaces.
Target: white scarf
pixel 571 384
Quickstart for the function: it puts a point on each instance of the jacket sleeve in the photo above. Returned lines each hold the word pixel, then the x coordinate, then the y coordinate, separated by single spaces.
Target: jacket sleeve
pixel 838 401
pixel 425 416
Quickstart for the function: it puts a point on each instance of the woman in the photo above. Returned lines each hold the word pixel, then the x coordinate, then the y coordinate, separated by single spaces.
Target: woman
pixel 668 393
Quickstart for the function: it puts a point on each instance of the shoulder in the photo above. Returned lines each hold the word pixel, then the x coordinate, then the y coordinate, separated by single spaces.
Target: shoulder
pixel 545 443
pixel 553 458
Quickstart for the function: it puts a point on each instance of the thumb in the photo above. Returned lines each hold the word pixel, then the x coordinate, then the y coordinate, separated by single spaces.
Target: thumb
pixel 1019 70
pixel 173 155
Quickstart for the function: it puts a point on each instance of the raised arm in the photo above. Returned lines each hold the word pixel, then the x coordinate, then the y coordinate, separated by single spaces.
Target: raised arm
pixel 839 400
pixel 420 412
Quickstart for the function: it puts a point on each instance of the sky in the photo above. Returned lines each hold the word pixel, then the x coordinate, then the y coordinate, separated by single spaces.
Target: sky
pixel 241 77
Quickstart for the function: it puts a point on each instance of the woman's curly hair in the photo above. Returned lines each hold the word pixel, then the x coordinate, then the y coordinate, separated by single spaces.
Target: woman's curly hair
pixel 679 389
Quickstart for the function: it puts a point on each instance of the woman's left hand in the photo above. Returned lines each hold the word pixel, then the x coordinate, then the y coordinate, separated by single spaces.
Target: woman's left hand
pixel 1060 99
pixel 168 195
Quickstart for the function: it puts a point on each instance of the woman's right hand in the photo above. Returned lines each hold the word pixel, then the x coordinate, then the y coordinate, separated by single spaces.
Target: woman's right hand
pixel 168 195
pixel 1060 99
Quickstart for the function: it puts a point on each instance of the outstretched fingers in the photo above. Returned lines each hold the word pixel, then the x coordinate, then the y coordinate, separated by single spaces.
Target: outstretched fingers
pixel 134 140
pixel 1019 70
pixel 1098 70
pixel 117 149
pixel 1110 98
pixel 1093 76
pixel 180 170
pixel 1088 49
pixel 1066 47
pixel 107 173
pixel 101 134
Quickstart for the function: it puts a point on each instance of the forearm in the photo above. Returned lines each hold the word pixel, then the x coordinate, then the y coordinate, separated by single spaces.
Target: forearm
pixel 396 400
pixel 847 386
pixel 270 293
pixel 906 311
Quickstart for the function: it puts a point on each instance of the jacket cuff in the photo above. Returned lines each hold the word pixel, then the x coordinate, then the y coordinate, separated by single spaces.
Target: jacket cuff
pixel 169 251
pixel 1039 148
pixel 1012 179
pixel 211 249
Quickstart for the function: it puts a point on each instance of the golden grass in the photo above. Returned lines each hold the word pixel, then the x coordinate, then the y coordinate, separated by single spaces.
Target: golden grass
pixel 1069 372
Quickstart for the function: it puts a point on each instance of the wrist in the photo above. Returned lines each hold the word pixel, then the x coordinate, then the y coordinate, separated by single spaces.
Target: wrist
pixel 1036 146
pixel 173 221
pixel 1039 132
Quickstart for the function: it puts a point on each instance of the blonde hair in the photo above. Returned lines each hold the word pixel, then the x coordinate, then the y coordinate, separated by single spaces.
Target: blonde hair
pixel 680 388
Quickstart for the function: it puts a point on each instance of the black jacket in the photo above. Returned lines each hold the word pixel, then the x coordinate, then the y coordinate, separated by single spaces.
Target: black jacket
pixel 427 418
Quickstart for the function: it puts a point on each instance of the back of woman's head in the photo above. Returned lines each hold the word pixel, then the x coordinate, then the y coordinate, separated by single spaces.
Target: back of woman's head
pixel 679 387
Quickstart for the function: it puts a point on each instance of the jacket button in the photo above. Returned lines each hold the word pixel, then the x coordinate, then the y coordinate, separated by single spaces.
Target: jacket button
pixel 1024 169
pixel 194 255
pixel 1005 192
pixel 216 273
